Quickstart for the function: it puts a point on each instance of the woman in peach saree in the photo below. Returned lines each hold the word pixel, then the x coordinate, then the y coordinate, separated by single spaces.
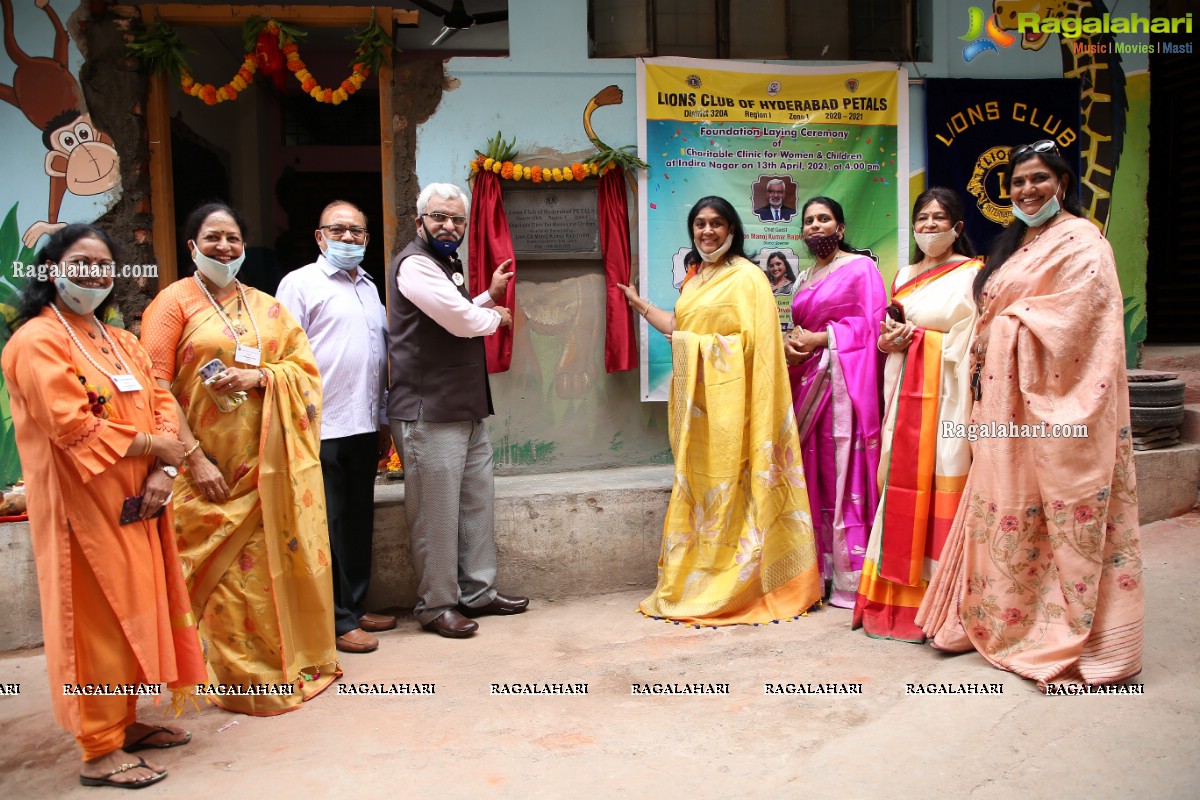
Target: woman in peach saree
pixel 1042 569
pixel 250 507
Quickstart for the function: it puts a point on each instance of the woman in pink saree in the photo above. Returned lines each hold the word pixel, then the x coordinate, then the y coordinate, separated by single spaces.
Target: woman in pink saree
pixel 1042 570
pixel 835 370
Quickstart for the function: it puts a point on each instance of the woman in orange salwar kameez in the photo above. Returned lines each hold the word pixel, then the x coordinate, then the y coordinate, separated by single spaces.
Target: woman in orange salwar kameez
pixel 1042 570
pixel 250 508
pixel 91 425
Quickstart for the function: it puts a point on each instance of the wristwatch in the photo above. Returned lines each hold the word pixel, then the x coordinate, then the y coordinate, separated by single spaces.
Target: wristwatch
pixel 170 471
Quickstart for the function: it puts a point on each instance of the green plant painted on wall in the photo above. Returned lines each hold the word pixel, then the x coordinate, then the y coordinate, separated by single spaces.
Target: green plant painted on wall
pixel 12 250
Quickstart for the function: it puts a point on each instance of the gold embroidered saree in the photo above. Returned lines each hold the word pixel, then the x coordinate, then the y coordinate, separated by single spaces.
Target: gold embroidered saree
pixel 257 565
pixel 738 541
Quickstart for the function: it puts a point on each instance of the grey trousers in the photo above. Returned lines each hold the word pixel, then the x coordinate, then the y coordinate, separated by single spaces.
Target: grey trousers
pixel 448 502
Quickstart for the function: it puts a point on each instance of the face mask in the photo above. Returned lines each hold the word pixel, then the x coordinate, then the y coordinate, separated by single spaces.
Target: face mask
pixel 80 299
pixel 716 255
pixel 1041 216
pixel 343 255
pixel 823 245
pixel 933 244
pixel 444 246
pixel 220 274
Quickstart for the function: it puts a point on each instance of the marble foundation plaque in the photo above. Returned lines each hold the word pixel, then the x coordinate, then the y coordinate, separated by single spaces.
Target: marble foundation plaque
pixel 554 223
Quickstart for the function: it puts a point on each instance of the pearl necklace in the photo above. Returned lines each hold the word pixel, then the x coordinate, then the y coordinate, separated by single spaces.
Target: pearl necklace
pixel 221 311
pixel 70 332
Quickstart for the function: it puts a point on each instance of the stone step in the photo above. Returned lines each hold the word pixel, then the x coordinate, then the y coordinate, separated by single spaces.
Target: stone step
pixel 558 535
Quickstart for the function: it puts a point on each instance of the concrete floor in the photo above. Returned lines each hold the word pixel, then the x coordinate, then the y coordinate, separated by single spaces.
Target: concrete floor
pixel 464 742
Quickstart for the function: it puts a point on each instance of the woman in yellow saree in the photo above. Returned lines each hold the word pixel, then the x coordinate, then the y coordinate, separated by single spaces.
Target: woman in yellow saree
pixel 738 542
pixel 250 507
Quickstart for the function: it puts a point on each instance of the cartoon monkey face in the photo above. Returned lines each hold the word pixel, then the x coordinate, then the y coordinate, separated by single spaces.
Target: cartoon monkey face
pixel 85 158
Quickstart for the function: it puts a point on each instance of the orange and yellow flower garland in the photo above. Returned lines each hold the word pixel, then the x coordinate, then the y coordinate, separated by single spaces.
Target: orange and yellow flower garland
pixel 309 84
pixel 517 172
pixel 210 94
pixel 161 49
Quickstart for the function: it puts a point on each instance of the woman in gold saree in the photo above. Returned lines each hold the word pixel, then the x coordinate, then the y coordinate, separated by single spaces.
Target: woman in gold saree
pixel 738 542
pixel 926 385
pixel 1042 569
pixel 249 506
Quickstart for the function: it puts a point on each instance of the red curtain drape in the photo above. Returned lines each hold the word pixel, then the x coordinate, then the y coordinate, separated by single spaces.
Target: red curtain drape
pixel 490 245
pixel 620 350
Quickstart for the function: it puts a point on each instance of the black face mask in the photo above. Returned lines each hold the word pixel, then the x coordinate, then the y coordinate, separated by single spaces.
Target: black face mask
pixel 823 245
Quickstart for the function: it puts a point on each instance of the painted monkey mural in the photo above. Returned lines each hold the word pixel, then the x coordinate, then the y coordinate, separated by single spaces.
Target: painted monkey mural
pixel 79 159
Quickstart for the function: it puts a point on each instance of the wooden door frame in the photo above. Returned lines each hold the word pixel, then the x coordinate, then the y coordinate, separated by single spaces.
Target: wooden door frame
pixel 158 111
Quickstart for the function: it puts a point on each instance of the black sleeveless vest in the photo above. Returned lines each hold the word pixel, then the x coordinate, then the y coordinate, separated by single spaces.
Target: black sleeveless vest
pixel 431 371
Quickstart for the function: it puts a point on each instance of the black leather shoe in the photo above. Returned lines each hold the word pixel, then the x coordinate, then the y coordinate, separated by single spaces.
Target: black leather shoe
pixel 502 605
pixel 452 625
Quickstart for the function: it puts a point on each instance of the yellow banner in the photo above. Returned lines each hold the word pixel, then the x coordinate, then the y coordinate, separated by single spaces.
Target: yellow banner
pixel 687 94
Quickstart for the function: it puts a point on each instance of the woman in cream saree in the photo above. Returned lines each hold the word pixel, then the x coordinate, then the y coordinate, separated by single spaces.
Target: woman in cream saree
pixel 737 543
pixel 257 560
pixel 926 387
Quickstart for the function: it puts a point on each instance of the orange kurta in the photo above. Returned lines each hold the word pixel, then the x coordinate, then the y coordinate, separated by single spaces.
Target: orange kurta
pixel 77 479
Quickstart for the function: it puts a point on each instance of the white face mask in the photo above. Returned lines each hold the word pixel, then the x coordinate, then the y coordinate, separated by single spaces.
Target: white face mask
pixel 80 299
pixel 934 244
pixel 716 255
pixel 343 255
pixel 220 274
pixel 1048 210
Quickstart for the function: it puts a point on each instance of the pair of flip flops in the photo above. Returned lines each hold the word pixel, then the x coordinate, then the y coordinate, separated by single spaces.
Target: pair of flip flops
pixel 106 780
pixel 142 744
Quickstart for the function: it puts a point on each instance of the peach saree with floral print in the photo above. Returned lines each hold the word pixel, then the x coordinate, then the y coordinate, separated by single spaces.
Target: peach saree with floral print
pixel 738 541
pixel 1042 570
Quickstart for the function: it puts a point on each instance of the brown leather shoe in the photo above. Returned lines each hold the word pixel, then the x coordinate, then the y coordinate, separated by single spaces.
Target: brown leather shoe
pixel 503 605
pixel 452 625
pixel 376 623
pixel 357 641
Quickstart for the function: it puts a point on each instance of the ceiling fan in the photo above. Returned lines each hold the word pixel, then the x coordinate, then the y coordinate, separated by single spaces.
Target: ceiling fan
pixel 457 19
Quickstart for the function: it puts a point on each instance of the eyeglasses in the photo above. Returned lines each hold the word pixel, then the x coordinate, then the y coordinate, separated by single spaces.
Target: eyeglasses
pixel 441 218
pixel 338 231
pixel 1044 146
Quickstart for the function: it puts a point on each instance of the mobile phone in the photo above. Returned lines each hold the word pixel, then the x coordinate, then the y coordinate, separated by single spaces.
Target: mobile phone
pixel 896 312
pixel 212 369
pixel 133 506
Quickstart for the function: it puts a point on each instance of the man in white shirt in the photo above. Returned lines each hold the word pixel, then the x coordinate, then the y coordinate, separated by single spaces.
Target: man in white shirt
pixel 337 304
pixel 438 398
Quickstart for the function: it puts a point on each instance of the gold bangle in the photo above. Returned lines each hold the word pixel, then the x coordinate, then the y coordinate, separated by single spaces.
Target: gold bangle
pixel 192 449
pixel 149 444
pixel 649 306
pixel 262 378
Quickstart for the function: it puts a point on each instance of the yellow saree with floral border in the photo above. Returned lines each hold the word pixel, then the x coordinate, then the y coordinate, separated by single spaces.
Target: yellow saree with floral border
pixel 738 542
pixel 257 565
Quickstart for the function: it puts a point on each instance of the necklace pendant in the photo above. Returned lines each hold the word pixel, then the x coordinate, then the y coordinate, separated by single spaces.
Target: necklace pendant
pixel 239 329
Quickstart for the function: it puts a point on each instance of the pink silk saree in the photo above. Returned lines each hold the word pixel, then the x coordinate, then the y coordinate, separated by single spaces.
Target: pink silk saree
pixel 836 395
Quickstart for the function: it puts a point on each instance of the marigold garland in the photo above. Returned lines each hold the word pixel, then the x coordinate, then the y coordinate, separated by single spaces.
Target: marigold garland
pixel 210 94
pixel 508 170
pixel 161 50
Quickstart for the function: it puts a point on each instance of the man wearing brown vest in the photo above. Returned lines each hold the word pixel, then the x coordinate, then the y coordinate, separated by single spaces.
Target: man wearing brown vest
pixel 437 401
